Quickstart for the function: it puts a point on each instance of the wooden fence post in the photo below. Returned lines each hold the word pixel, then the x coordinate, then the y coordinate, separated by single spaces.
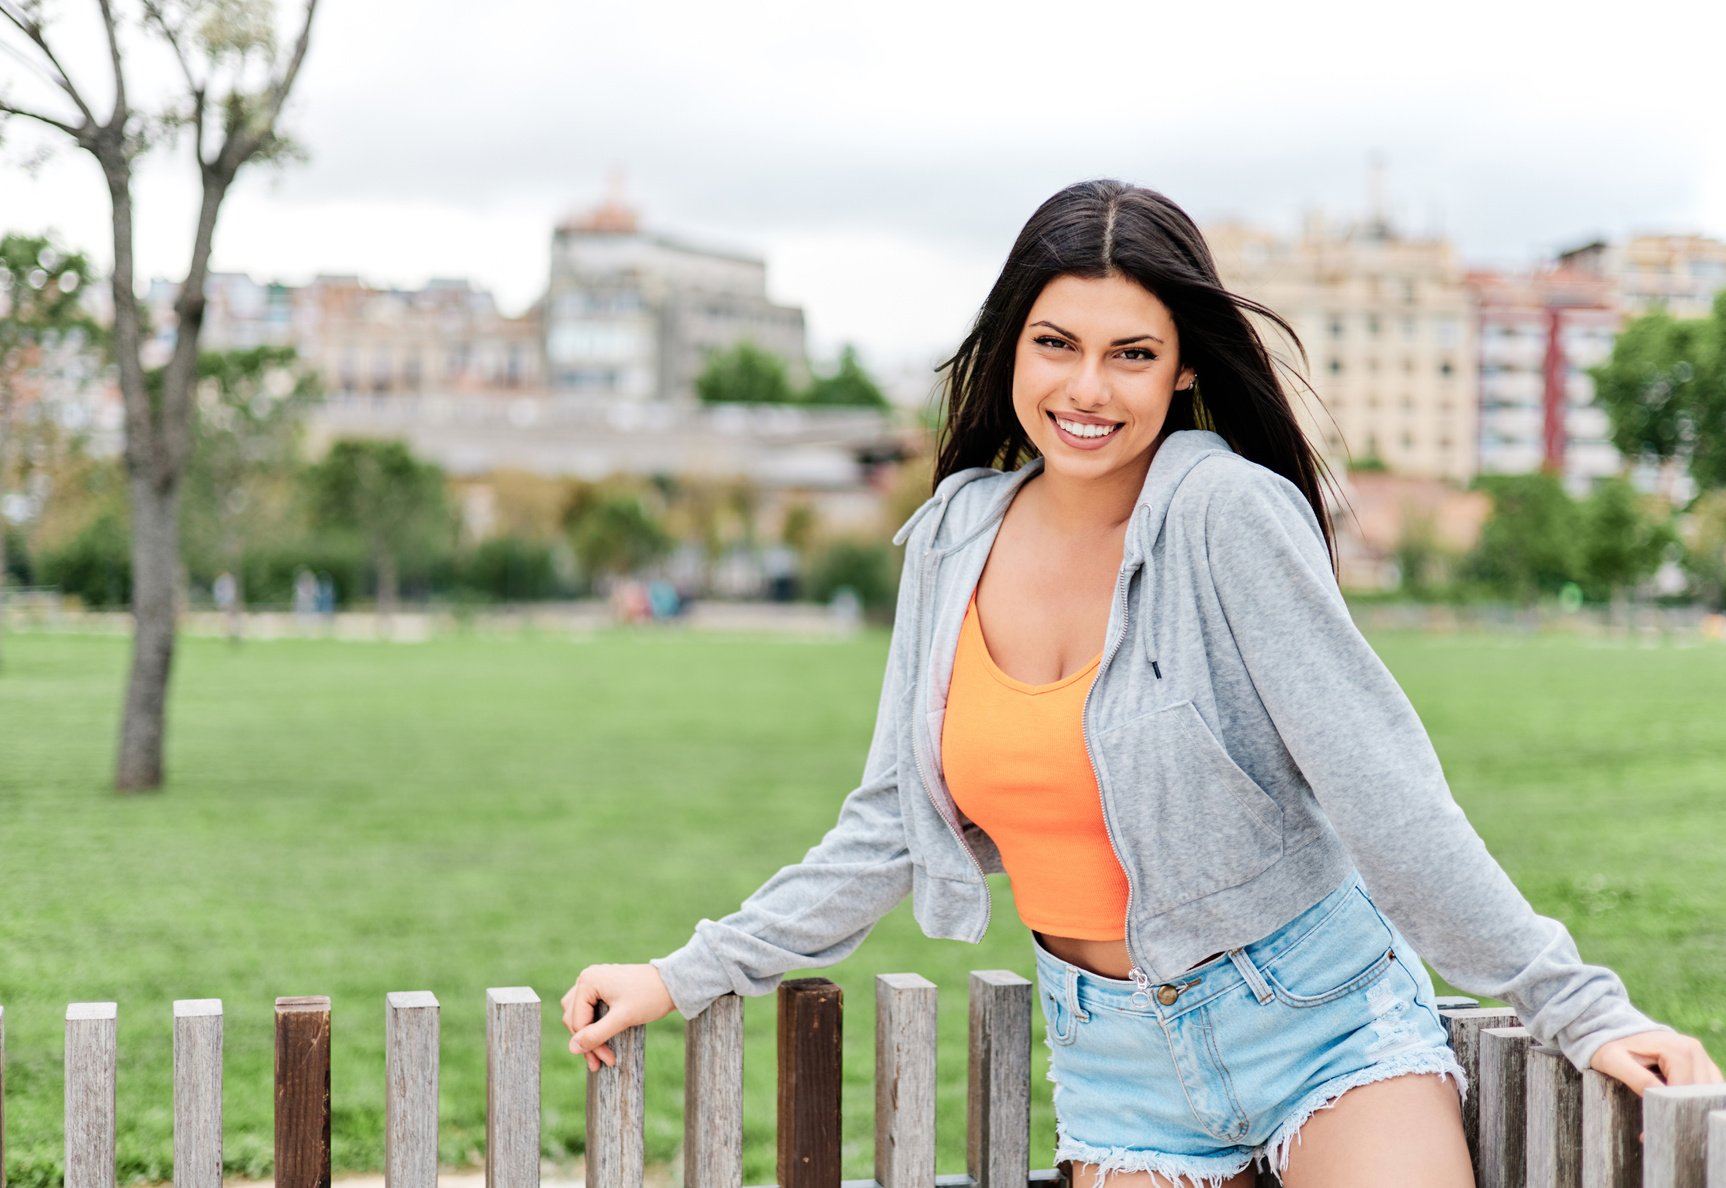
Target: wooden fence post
pixel 713 1096
pixel 303 1092
pixel 1611 1120
pixel 198 1093
pixel 810 1054
pixel 1504 1106
pixel 1674 1131
pixel 1554 1120
pixel 998 1114
pixel 1465 1026
pixel 91 1040
pixel 1716 1149
pixel 411 1089
pixel 617 1112
pixel 511 1087
pixel 905 1020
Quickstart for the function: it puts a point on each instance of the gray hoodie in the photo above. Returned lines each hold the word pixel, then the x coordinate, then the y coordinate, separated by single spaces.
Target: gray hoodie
pixel 1251 751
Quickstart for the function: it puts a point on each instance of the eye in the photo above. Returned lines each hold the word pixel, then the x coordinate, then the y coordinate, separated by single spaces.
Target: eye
pixel 1143 354
pixel 1049 340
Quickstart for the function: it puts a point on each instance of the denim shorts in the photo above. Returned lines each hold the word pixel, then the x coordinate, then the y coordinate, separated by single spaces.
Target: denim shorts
pixel 1255 1040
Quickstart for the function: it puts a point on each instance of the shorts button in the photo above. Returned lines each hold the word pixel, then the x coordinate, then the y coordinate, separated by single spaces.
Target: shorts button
pixel 1167 994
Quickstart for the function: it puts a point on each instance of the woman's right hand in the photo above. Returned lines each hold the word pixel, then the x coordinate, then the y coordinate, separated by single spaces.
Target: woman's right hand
pixel 632 994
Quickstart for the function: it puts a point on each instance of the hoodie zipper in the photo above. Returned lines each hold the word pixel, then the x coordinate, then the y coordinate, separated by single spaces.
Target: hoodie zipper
pixel 1141 981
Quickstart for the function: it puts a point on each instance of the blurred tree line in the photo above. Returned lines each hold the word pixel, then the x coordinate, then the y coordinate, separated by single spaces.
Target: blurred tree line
pixel 385 526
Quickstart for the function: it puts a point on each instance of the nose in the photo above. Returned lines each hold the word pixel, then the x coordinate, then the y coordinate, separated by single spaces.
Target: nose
pixel 1086 386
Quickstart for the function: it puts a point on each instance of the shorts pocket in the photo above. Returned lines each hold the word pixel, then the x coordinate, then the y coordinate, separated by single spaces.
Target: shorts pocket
pixel 1349 949
pixel 1060 1023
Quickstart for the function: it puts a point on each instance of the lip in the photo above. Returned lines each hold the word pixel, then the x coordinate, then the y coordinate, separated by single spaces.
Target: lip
pixel 1082 418
pixel 1083 443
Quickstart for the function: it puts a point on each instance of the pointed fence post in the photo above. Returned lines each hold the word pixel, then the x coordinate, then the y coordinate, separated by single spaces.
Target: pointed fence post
pixel 198 1093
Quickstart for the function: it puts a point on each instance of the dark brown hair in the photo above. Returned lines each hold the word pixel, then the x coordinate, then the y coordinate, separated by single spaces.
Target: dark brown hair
pixel 1100 228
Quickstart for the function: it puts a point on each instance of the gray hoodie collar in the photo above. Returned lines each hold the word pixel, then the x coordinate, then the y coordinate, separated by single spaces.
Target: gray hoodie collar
pixel 957 519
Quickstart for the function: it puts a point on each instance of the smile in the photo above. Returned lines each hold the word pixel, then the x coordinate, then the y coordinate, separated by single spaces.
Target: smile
pixel 1082 429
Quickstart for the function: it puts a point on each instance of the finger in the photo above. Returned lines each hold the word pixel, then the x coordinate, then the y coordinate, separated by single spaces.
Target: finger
pixel 1632 1073
pixel 568 1002
pixel 595 1033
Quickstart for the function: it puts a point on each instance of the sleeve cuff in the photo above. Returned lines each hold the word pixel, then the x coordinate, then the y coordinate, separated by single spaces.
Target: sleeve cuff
pixel 1624 1020
pixel 693 976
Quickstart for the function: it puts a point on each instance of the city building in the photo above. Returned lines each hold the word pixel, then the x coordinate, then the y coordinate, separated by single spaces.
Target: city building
pixel 1388 328
pixel 1539 333
pixel 633 315
pixel 1677 273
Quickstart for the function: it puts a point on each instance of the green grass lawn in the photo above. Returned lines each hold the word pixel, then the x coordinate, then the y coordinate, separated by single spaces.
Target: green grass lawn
pixel 351 819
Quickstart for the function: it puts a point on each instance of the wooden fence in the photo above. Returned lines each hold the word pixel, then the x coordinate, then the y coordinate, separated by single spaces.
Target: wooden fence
pixel 1532 1119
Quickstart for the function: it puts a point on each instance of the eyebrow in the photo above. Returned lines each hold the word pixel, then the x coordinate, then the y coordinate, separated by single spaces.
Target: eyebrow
pixel 1116 343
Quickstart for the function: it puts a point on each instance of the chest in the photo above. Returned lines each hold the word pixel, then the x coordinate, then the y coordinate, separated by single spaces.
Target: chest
pixel 1044 607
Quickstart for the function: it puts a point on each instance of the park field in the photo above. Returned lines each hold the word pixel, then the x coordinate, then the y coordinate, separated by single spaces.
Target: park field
pixel 354 818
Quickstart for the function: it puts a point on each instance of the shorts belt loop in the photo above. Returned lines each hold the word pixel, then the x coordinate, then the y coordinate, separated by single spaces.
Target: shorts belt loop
pixel 1072 988
pixel 1250 972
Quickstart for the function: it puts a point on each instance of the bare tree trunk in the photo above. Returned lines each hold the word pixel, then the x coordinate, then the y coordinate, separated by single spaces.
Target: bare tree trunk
pixel 155 564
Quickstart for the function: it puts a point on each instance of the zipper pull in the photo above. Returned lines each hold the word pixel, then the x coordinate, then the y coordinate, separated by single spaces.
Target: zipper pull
pixel 1141 995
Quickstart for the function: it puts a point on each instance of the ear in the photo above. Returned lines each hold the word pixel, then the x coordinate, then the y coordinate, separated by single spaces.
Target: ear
pixel 1185 379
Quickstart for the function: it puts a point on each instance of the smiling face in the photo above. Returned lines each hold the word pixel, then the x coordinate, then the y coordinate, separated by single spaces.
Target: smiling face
pixel 1094 372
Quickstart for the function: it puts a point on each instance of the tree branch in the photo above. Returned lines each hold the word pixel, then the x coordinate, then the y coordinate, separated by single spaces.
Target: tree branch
pixel 33 30
pixel 278 92
pixel 75 133
pixel 153 12
pixel 118 120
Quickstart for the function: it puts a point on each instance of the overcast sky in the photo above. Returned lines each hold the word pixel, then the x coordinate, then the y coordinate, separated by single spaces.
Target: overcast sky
pixel 881 157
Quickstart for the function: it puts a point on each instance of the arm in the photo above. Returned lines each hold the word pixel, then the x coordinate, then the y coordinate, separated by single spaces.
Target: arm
pixel 1360 745
pixel 817 911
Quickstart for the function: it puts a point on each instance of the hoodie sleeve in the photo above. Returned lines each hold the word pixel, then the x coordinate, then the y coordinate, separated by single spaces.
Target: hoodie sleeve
pixel 1361 747
pixel 817 911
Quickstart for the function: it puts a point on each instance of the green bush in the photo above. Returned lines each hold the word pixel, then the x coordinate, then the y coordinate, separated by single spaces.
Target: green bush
pixel 864 565
pixel 95 565
pixel 508 569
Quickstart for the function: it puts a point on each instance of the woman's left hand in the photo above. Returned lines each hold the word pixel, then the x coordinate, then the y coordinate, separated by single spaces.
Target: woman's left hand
pixel 1680 1058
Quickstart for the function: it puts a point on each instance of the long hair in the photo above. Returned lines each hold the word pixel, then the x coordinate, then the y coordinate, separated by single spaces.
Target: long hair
pixel 1099 228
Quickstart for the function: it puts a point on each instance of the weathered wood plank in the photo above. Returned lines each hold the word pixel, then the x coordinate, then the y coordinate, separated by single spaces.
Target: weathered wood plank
pixel 1611 1120
pixel 713 1096
pixel 905 1020
pixel 810 1022
pixel 1504 1106
pixel 998 1108
pixel 1674 1134
pixel 91 1043
pixel 411 1026
pixel 1464 1027
pixel 1554 1120
pixel 303 1092
pixel 617 1112
pixel 198 1093
pixel 512 1028
pixel 1716 1149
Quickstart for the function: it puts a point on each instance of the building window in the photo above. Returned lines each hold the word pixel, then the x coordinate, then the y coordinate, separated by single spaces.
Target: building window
pixel 1335 366
pixel 1446 368
pixel 1372 325
pixel 1336 325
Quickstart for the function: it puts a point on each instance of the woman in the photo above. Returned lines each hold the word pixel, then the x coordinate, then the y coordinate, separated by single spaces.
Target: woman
pixel 1122 672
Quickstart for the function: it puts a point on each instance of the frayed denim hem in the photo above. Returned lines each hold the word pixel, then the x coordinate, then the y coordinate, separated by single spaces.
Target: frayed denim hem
pixel 1428 1060
pixel 1188 1169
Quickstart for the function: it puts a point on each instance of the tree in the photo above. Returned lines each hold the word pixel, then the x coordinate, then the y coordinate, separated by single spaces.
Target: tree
pixel 743 374
pixel 250 407
pixel 616 536
pixel 1705 546
pixel 1664 392
pixel 850 386
pixel 236 80
pixel 1529 544
pixel 1623 538
pixel 41 287
pixel 379 493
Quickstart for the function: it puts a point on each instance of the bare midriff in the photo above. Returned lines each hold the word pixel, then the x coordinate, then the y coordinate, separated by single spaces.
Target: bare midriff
pixel 1108 958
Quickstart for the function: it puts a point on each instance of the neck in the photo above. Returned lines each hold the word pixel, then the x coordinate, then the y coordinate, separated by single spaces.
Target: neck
pixel 1078 507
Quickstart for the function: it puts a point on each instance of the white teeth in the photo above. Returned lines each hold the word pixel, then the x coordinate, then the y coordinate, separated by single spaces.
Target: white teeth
pixel 1078 430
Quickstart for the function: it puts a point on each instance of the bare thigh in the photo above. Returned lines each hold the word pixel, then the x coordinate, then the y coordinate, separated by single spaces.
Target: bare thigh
pixel 1085 1176
pixel 1406 1131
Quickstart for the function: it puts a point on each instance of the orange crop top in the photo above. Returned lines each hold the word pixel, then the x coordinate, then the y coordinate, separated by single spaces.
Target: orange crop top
pixel 1014 758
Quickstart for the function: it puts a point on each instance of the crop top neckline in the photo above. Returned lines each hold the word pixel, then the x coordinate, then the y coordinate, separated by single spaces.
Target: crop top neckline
pixel 974 622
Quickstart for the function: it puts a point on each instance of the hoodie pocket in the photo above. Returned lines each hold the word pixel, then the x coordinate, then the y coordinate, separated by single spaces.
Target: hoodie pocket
pixel 1195 821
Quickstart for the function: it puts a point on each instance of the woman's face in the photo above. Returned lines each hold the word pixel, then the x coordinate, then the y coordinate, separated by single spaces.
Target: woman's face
pixel 1094 371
